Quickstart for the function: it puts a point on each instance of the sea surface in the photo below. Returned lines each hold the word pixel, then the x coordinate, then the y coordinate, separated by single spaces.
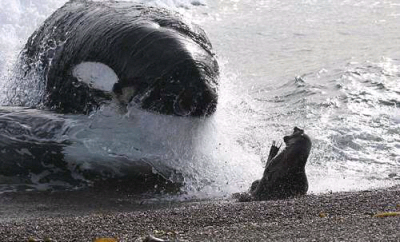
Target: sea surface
pixel 331 68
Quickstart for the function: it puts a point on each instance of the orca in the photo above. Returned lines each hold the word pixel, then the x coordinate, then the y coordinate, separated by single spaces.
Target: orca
pixel 88 54
pixel 157 60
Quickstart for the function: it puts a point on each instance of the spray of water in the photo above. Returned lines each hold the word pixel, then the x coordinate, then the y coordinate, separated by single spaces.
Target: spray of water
pixel 207 153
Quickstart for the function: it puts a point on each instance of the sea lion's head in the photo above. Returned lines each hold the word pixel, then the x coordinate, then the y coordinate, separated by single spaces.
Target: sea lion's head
pixel 298 143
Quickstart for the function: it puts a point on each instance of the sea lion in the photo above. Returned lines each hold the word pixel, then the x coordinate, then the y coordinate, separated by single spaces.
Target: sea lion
pixel 160 62
pixel 284 175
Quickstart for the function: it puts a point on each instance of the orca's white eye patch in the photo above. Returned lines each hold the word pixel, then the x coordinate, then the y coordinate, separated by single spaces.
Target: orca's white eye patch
pixel 95 74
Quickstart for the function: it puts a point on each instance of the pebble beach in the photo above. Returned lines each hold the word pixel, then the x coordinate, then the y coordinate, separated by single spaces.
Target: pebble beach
pixel 89 215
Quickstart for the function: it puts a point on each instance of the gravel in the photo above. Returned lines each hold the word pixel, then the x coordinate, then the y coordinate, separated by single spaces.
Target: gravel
pixel 87 215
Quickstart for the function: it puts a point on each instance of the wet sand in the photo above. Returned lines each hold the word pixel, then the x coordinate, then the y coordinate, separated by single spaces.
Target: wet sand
pixel 86 215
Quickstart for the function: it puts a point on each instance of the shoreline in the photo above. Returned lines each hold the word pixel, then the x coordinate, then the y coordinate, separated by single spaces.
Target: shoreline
pixel 84 216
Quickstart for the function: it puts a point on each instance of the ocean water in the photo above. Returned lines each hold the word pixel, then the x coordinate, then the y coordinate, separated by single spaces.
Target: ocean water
pixel 329 67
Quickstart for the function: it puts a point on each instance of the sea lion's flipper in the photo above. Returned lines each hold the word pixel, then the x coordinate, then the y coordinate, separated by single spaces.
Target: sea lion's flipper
pixel 273 151
pixel 243 197
pixel 254 185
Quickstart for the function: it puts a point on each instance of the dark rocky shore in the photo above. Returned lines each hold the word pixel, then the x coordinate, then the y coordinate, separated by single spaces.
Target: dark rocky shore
pixel 86 215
